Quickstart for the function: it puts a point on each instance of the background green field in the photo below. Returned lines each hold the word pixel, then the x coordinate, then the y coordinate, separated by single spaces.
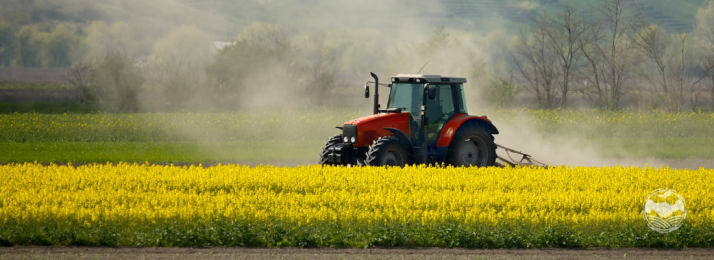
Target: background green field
pixel 297 136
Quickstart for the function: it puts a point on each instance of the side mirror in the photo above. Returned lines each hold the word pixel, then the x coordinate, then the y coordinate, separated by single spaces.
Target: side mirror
pixel 366 91
pixel 430 91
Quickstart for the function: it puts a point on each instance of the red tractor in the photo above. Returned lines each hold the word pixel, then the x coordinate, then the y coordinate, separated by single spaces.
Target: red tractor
pixel 425 122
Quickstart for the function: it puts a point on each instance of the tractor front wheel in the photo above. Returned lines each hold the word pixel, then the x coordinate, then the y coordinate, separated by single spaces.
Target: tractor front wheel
pixel 472 146
pixel 323 155
pixel 387 151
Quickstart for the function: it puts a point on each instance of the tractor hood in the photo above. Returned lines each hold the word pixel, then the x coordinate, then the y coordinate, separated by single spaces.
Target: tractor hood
pixel 378 118
pixel 367 129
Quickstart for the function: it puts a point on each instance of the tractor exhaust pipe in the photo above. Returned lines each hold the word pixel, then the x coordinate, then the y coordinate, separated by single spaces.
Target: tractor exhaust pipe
pixel 375 110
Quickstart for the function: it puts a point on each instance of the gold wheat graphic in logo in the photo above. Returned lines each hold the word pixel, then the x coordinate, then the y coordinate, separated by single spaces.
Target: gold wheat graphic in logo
pixel 664 210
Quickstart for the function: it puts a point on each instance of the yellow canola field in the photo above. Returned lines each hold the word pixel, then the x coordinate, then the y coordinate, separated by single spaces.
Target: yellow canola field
pixel 140 194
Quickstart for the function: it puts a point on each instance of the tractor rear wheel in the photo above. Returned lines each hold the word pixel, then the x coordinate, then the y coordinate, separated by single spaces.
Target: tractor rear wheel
pixel 472 146
pixel 387 151
pixel 323 155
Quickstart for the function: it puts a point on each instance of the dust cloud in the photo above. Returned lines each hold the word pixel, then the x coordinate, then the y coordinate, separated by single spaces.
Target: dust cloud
pixel 567 149
pixel 316 56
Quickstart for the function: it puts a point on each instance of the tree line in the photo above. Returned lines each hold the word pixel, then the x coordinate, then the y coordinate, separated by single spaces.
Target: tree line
pixel 33 46
pixel 610 52
pixel 608 57
pixel 263 67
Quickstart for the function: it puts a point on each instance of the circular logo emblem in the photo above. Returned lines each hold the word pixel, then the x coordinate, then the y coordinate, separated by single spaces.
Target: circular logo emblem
pixel 664 210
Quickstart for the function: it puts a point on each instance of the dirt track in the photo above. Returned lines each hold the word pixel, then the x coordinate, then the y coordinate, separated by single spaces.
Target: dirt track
pixel 332 253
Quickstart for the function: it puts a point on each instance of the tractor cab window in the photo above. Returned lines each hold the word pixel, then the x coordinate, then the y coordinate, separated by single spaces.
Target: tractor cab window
pixel 439 111
pixel 461 99
pixel 408 97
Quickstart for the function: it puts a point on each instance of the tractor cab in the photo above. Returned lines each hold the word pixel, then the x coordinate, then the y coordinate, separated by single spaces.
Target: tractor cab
pixel 425 122
pixel 442 98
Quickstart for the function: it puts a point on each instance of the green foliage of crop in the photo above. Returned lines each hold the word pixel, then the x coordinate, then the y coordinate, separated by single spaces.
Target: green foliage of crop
pixel 354 234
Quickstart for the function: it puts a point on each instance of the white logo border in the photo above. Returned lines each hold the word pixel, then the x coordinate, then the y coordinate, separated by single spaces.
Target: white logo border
pixel 679 223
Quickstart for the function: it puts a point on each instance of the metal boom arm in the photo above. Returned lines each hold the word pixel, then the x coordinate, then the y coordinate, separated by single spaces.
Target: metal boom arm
pixel 525 159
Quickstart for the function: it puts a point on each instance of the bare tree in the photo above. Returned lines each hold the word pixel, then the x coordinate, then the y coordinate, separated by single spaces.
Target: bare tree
pixel 565 33
pixel 321 63
pixel 684 76
pixel 178 81
pixel 704 30
pixel 610 53
pixel 537 63
pixel 707 61
pixel 117 82
pixel 548 53
pixel 675 70
pixel 79 76
pixel 653 43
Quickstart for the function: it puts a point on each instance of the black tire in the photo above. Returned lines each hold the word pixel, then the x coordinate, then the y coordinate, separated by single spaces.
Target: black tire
pixel 472 146
pixel 337 139
pixel 387 151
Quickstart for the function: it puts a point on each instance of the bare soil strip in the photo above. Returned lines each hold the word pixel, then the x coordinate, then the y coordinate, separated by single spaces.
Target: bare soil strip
pixel 343 253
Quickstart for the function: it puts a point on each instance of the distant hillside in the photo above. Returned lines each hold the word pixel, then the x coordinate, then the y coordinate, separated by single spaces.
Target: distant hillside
pixel 154 16
pixel 224 18
pixel 673 15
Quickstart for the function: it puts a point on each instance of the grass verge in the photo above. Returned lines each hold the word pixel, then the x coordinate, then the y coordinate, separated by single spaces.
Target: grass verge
pixel 73 107
pixel 160 152
pixel 293 151
pixel 670 148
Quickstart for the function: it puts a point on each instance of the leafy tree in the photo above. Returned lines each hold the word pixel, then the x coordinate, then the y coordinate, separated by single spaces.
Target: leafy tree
pixel 267 68
pixel 260 48
pixel 118 82
pixel 175 69
pixel 8 45
pixel 185 43
pixel 117 37
pixel 31 46
pixel 64 46
pixel 502 93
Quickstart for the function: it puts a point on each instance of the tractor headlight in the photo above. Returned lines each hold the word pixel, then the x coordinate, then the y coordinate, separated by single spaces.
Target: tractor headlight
pixel 347 139
pixel 353 139
pixel 418 80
